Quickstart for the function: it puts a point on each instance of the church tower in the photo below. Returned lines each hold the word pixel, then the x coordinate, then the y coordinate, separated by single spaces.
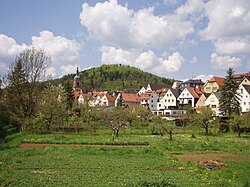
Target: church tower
pixel 77 83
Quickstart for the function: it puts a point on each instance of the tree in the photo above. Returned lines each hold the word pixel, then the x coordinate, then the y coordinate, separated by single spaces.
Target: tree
pixel 203 119
pixel 22 82
pixel 116 119
pixel 229 102
pixel 53 106
pixel 240 123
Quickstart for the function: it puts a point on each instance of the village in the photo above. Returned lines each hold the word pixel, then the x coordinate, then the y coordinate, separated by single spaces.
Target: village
pixel 168 100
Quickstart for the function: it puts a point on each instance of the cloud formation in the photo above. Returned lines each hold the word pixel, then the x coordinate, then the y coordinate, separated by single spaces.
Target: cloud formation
pixel 118 26
pixel 146 60
pixel 63 51
pixel 224 62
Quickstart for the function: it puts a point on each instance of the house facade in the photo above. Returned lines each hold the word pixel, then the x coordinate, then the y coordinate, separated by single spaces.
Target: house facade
pixel 244 91
pixel 188 96
pixel 213 102
pixel 213 84
pixel 169 100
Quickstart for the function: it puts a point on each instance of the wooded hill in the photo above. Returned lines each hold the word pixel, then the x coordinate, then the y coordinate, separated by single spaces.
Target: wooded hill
pixel 113 77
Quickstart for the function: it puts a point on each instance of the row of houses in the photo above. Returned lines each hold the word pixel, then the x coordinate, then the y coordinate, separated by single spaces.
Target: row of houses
pixel 168 99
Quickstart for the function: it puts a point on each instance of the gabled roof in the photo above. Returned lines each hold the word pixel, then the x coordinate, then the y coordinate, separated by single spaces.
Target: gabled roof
pixel 175 92
pixel 218 80
pixel 145 96
pixel 111 98
pixel 131 98
pixel 241 75
pixel 193 92
pixel 199 89
pixel 218 95
pixel 247 88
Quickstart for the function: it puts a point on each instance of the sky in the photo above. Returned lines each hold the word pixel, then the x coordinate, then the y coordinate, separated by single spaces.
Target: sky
pixel 178 39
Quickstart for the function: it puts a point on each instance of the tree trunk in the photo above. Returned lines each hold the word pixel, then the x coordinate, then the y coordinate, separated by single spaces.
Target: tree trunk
pixel 206 130
pixel 171 135
pixel 239 132
pixel 113 135
pixel 117 132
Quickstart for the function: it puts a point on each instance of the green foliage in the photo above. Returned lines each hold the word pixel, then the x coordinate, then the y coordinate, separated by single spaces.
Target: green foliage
pixel 203 119
pixel 240 123
pixel 229 101
pixel 115 77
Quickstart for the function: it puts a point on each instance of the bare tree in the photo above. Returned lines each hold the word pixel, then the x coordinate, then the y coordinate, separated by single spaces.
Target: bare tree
pixel 22 89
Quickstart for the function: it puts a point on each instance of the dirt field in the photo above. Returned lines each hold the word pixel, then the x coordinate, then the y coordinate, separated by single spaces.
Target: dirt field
pixel 42 146
pixel 203 156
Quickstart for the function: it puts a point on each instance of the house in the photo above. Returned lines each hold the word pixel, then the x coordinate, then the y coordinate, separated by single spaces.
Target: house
pixel 154 87
pixel 192 83
pixel 188 96
pixel 213 101
pixel 213 84
pixel 154 99
pixel 241 76
pixel 111 100
pixel 244 91
pixel 201 102
pixel 245 81
pixel 142 91
pixel 144 99
pixel 129 99
pixel 169 100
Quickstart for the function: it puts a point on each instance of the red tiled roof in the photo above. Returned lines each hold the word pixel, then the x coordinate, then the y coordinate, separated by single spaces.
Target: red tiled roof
pixel 111 98
pixel 193 92
pixel 199 90
pixel 241 75
pixel 131 98
pixel 145 96
pixel 218 80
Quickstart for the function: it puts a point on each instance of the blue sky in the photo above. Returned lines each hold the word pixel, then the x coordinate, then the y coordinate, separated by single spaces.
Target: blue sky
pixel 178 39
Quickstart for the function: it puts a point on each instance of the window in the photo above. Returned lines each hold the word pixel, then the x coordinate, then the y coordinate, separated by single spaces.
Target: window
pixel 207 88
pixel 172 100
pixel 241 90
pixel 214 88
pixel 165 100
pixel 169 100
pixel 187 94
pixel 152 101
pixel 244 103
pixel 152 106
pixel 167 95
pixel 159 105
pixel 213 106
pixel 170 94
pixel 212 100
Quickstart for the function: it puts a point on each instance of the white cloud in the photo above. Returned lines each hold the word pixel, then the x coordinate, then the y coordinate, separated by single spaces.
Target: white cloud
pixel 224 62
pixel 68 69
pixel 58 47
pixel 146 60
pixel 232 46
pixel 172 64
pixel 51 72
pixel 112 55
pixel 194 60
pixel 227 18
pixel 63 51
pixel 8 50
pixel 191 7
pixel 204 78
pixel 121 27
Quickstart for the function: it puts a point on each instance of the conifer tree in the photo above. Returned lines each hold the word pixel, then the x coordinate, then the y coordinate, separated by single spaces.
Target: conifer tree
pixel 229 102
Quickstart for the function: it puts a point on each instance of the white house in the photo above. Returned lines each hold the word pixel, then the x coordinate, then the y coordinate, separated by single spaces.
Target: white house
pixel 188 96
pixel 244 91
pixel 213 101
pixel 169 100
pixel 142 91
pixel 152 102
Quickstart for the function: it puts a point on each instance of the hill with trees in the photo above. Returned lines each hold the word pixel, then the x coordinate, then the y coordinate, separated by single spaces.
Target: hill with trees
pixel 114 77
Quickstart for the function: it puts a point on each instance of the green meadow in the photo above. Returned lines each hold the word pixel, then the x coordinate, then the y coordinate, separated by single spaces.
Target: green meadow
pixel 133 159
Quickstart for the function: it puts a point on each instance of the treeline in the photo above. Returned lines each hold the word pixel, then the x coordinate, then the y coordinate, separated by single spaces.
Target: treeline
pixel 114 77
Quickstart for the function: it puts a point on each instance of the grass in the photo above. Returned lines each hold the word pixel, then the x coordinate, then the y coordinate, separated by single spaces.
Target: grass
pixel 150 166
